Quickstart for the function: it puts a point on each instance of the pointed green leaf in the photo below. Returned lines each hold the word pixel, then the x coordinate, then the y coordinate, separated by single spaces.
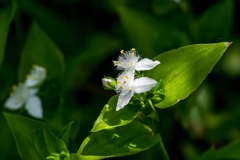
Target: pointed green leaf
pixel 54 144
pixel 210 154
pixel 211 29
pixel 182 70
pixel 23 130
pixel 156 39
pixel 65 132
pixel 40 144
pixel 40 50
pixel 6 16
pixel 110 118
pixel 230 151
pixel 121 141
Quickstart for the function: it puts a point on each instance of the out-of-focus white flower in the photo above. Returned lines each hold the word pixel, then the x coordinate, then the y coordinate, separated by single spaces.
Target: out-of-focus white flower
pixel 37 76
pixel 127 86
pixel 22 95
pixel 109 83
pixel 131 60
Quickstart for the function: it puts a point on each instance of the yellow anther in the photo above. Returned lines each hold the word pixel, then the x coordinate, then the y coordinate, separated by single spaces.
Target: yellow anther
pixel 131 63
pixel 127 77
pixel 119 82
pixel 122 87
pixel 133 49
pixel 122 51
pixel 28 76
pixel 115 64
pixel 121 76
pixel 124 81
pixel 120 62
pixel 14 87
pixel 129 89
pixel 132 54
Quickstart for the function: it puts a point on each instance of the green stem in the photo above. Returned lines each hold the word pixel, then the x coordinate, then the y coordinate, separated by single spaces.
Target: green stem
pixel 163 151
pixel 161 147
pixel 153 108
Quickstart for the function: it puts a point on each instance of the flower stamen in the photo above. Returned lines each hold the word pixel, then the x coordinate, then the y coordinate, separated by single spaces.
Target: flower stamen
pixel 122 51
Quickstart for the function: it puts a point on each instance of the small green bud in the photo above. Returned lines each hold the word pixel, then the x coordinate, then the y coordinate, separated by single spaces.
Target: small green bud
pixel 158 96
pixel 109 83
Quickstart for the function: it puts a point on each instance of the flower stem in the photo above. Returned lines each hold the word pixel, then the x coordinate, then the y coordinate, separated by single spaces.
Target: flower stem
pixel 163 151
pixel 153 108
pixel 160 144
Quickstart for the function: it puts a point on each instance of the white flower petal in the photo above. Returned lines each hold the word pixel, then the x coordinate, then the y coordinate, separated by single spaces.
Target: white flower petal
pixel 146 64
pixel 34 107
pixel 14 103
pixel 37 76
pixel 124 99
pixel 143 84
pixel 18 97
pixel 33 91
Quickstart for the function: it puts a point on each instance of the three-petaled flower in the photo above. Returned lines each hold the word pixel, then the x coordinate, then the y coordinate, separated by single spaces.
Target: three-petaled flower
pixel 131 60
pixel 127 83
pixel 25 94
pixel 127 86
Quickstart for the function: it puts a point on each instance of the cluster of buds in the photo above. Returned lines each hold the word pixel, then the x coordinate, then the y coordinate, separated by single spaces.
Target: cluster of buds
pixel 129 82
pixel 64 155
pixel 24 94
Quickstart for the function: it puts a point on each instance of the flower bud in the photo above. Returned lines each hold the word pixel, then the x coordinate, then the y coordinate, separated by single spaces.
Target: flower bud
pixel 158 96
pixel 109 83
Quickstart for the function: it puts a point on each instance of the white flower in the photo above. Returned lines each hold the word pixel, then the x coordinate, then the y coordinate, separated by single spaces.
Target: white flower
pixel 127 86
pixel 22 95
pixel 37 76
pixel 130 60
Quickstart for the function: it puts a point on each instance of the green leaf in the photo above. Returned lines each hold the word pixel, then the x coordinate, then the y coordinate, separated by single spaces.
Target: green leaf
pixel 230 151
pixel 110 118
pixel 6 16
pixel 121 141
pixel 210 154
pixel 182 70
pixel 65 132
pixel 23 130
pixel 40 50
pixel 40 144
pixel 211 29
pixel 54 144
pixel 156 39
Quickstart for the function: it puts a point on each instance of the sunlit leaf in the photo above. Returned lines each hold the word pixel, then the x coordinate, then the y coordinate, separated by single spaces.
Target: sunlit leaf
pixel 117 142
pixel 182 70
pixel 6 16
pixel 40 50
pixel 110 118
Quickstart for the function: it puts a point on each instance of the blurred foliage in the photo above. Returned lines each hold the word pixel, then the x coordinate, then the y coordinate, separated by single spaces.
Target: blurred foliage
pixel 86 35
